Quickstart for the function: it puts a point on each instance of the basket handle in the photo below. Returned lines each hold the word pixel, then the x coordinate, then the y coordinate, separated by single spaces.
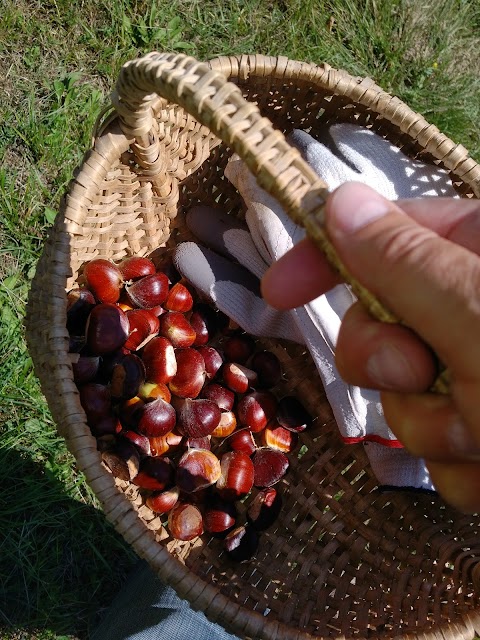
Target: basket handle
pixel 219 105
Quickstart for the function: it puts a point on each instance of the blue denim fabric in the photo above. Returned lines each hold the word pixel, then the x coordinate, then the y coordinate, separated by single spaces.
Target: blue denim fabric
pixel 146 609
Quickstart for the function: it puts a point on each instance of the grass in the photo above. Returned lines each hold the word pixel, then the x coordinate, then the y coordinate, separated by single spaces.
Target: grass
pixel 60 562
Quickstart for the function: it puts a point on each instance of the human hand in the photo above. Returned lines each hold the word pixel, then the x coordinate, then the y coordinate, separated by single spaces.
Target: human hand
pixel 421 259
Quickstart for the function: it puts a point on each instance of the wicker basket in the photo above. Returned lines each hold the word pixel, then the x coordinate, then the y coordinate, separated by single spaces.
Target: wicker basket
pixel 344 559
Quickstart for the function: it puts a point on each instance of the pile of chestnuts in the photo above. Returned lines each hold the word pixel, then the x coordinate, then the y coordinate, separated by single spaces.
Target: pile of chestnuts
pixel 181 401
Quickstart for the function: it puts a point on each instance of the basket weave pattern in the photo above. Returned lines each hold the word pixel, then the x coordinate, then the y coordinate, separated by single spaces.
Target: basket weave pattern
pixel 343 560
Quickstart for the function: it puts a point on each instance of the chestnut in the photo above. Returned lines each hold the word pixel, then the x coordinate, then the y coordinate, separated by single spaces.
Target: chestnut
pixel 237 377
pixel 264 509
pixel 190 376
pixel 268 367
pixel 197 469
pixel 107 329
pixel 149 391
pixel 212 358
pixel 159 359
pixel 142 443
pixel 203 319
pixel 149 291
pixel 155 473
pixel 104 279
pixel 127 377
pixel 203 442
pixel 122 460
pixel 79 304
pixel 155 418
pixel 135 267
pixel 241 543
pixel 219 516
pixel 242 440
pixel 163 501
pixel 107 425
pixel 292 415
pixel 175 327
pixel 256 409
pixel 226 426
pixel 277 437
pixel 179 298
pixel 239 348
pixel 197 417
pixel 96 401
pixel 269 466
pixel 142 326
pixel 221 395
pixel 85 369
pixel 185 522
pixel 237 475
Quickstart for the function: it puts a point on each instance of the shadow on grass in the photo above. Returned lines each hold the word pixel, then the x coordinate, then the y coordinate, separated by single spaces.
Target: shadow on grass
pixel 61 563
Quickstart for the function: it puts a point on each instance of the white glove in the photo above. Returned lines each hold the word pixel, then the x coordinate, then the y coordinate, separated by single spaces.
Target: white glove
pixel 374 161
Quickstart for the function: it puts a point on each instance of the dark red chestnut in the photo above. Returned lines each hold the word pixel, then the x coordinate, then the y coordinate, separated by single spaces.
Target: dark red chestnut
pixel 135 267
pixel 176 328
pixel 237 377
pixel 104 279
pixel 242 440
pixel 79 304
pixel 197 417
pixel 96 401
pixel 199 443
pixel 238 348
pixel 268 367
pixel 161 444
pixel 222 396
pixel 277 437
pixel 150 391
pixel 156 418
pixel 163 501
pixel 179 298
pixel 237 474
pixel 292 415
pixel 123 460
pixel 226 426
pixel 185 522
pixel 256 409
pixel 203 319
pixel 142 443
pixel 219 516
pixel 143 325
pixel 241 544
pixel 108 425
pixel 213 360
pixel 197 469
pixel 160 360
pixel 107 329
pixel 127 377
pixel 156 474
pixel 269 467
pixel 149 291
pixel 190 376
pixel 85 369
pixel 264 509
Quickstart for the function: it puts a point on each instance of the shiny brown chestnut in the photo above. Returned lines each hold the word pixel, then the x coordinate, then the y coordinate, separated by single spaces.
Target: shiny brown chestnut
pixel 104 279
pixel 135 267
pixel 242 440
pixel 197 417
pixel 163 501
pixel 156 418
pixel 150 391
pixel 190 376
pixel 177 329
pixel 156 474
pixel 203 319
pixel 80 301
pixel 85 369
pixel 143 325
pixel 226 426
pixel 171 441
pixel 239 348
pixel 185 522
pixel 179 298
pixel 160 360
pixel 264 509
pixel 237 475
pixel 268 367
pixel 241 543
pixel 212 358
pixel 292 414
pixel 221 395
pixel 256 409
pixel 197 469
pixel 107 329
pixel 127 377
pixel 277 437
pixel 96 401
pixel 219 516
pixel 237 377
pixel 270 466
pixel 149 291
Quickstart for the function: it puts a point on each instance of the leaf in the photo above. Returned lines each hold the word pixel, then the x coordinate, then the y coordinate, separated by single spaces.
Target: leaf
pixel 50 215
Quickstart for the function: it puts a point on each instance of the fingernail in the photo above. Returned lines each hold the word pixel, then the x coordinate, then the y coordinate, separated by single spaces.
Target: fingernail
pixel 353 206
pixel 461 440
pixel 390 369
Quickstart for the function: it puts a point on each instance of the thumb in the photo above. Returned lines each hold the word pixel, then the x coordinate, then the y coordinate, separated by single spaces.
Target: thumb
pixel 429 282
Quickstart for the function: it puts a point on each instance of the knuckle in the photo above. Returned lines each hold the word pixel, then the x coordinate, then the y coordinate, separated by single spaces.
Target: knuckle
pixel 408 245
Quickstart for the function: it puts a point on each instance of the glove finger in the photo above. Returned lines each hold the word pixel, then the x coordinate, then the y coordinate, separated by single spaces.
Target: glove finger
pixel 384 166
pixel 225 235
pixel 395 467
pixel 234 290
